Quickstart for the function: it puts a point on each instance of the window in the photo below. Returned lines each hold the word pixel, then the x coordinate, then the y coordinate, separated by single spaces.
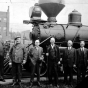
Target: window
pixel 0 29
pixel 4 19
pixel 0 19
pixel 4 28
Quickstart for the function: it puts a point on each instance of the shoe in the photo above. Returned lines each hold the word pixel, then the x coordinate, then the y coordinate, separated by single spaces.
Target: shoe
pixel 20 84
pixel 39 84
pixel 13 83
pixel 2 79
pixel 71 86
pixel 66 86
pixel 65 83
pixel 57 86
pixel 50 85
pixel 31 84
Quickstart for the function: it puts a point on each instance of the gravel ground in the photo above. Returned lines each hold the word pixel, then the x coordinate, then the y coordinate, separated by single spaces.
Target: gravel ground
pixel 44 85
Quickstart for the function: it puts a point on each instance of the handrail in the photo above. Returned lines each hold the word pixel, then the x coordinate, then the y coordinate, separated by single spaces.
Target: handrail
pixel 46 39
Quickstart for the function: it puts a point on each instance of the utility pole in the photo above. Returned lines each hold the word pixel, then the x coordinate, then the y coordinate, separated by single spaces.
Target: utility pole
pixel 7 23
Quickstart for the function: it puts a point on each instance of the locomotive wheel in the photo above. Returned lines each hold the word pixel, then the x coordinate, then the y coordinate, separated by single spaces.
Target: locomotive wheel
pixel 43 68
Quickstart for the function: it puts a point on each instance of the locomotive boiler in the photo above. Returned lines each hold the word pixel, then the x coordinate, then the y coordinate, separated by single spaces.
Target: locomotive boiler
pixel 43 30
pixel 74 30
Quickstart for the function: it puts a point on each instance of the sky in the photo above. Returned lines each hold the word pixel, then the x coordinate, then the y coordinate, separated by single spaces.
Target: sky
pixel 19 11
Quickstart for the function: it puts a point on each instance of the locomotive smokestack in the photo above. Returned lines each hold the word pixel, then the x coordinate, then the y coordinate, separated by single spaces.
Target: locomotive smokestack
pixel 51 8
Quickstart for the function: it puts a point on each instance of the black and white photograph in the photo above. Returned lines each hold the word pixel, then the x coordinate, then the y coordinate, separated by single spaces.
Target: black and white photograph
pixel 43 44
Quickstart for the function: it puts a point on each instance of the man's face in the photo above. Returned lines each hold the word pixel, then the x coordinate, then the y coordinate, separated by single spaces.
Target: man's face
pixel 37 42
pixel 18 40
pixel 82 43
pixel 69 43
pixel 52 41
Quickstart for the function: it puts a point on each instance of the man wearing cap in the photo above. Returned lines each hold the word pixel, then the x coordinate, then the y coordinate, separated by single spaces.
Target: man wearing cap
pixel 81 62
pixel 18 55
pixel 69 58
pixel 53 54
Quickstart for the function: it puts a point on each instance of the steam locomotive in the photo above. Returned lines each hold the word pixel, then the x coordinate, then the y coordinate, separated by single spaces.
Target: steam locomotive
pixel 44 30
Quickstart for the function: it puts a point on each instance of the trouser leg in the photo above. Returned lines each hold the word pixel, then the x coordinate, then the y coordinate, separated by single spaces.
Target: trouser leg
pixel 70 75
pixel 78 75
pixel 55 75
pixel 50 73
pixel 32 73
pixel 83 72
pixel 65 74
pixel 38 72
pixel 14 71
pixel 1 66
pixel 19 71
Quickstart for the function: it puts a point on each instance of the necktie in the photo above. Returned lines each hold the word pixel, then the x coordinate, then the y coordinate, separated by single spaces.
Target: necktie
pixel 52 46
pixel 82 49
pixel 69 48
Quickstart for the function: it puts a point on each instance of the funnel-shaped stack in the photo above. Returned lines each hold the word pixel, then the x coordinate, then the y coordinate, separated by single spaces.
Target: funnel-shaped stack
pixel 51 8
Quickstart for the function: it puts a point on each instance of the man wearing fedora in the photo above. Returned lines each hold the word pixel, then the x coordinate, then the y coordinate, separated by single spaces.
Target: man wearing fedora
pixel 18 55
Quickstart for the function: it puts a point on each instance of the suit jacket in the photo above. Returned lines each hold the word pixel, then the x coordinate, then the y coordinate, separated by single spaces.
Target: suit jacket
pixel 69 57
pixel 79 57
pixel 57 53
pixel 35 54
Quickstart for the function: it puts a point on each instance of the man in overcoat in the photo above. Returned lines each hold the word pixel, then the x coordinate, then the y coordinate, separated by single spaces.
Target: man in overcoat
pixel 36 56
pixel 69 60
pixel 18 55
pixel 81 62
pixel 53 54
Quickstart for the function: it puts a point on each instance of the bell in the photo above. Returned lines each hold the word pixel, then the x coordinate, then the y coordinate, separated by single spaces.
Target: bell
pixel 74 18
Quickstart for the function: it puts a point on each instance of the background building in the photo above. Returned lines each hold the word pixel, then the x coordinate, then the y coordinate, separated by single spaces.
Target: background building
pixel 4 24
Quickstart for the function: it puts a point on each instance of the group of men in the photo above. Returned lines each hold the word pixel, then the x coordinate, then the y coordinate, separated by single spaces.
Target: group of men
pixel 75 58
pixel 71 58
